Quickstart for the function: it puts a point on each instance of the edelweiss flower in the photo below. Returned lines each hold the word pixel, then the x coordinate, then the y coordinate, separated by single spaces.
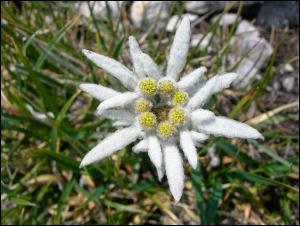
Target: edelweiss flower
pixel 164 112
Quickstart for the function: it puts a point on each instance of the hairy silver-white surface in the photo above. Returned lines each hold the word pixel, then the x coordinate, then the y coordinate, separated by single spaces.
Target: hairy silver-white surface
pixel 121 115
pixel 188 148
pixel 212 86
pixel 173 23
pixel 117 101
pixel 154 151
pixel 99 92
pixel 150 66
pixel 111 144
pixel 200 123
pixel 141 146
pixel 114 68
pixel 208 123
pixel 198 138
pixel 174 170
pixel 135 53
pixel 192 79
pixel 179 49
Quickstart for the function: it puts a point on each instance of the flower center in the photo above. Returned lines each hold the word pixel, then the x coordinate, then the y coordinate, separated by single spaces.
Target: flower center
pixel 165 119
pixel 166 87
pixel 148 86
pixel 161 112
pixel 177 116
pixel 180 98
pixel 165 130
pixel 147 120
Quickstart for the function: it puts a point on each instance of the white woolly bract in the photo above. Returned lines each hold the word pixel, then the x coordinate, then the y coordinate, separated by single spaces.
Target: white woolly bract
pixel 179 49
pixel 117 101
pixel 114 68
pixel 98 91
pixel 160 173
pixel 174 170
pixel 201 116
pixel 212 86
pixel 121 115
pixel 119 124
pixel 141 146
pixel 207 122
pixel 135 52
pixel 198 137
pixel 154 151
pixel 111 144
pixel 188 148
pixel 150 67
pixel 191 79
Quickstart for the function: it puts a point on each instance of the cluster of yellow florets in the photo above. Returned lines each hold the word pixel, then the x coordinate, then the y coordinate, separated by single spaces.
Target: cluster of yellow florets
pixel 148 86
pixel 177 116
pixel 165 129
pixel 174 116
pixel 179 98
pixel 166 87
pixel 142 105
pixel 147 120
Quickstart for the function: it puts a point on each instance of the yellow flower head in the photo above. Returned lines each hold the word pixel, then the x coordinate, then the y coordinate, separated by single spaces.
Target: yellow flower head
pixel 142 105
pixel 148 86
pixel 147 120
pixel 180 98
pixel 165 130
pixel 166 87
pixel 177 116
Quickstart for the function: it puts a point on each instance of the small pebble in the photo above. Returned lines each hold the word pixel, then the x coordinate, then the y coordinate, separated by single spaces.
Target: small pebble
pixel 288 83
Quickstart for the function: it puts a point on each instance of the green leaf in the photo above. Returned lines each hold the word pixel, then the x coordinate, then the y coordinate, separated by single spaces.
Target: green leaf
pixel 63 198
pixel 125 208
pixel 197 183
pixel 61 159
pixel 58 36
pixel 59 119
pixel 48 100
pixel 22 202
pixel 212 203
pixel 275 156
pixel 247 176
pixel 234 152
pixel 118 48
pixel 254 92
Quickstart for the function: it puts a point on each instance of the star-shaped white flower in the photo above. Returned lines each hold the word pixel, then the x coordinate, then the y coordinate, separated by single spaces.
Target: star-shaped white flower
pixel 164 112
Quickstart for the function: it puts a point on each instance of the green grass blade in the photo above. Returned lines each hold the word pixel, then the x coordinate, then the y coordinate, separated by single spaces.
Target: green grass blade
pixel 58 36
pixel 197 184
pixel 62 200
pixel 247 176
pixel 234 152
pixel 212 203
